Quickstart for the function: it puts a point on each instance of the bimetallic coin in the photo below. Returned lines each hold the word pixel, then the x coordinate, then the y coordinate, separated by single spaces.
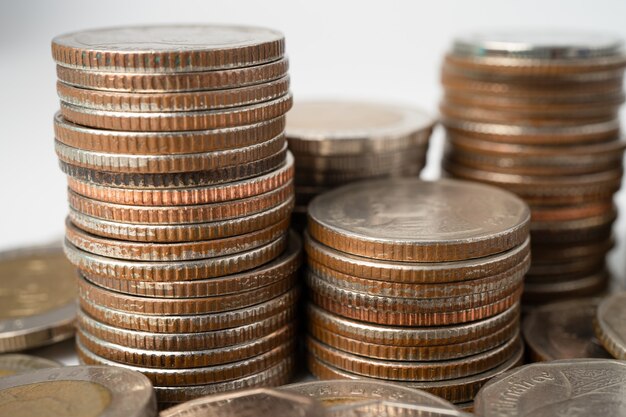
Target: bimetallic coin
pixel 11 364
pixel 248 403
pixel 609 324
pixel 566 387
pixel 78 391
pixel 37 298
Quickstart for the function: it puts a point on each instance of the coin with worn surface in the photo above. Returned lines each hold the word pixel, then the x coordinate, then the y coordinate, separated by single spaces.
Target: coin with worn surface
pixel 37 298
pixel 564 387
pixel 563 331
pixel 248 403
pixel 412 220
pixel 609 324
pixel 16 363
pixel 77 391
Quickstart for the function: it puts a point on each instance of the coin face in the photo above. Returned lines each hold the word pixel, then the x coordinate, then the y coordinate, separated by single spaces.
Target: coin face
pixel 37 294
pixel 563 331
pixel 248 403
pixel 575 387
pixel 610 324
pixel 442 220
pixel 16 363
pixel 77 391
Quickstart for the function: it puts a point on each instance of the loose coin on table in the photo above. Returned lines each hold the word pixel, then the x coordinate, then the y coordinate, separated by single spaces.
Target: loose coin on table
pixel 37 298
pixel 77 391
pixel 16 363
pixel 564 387
pixel 610 325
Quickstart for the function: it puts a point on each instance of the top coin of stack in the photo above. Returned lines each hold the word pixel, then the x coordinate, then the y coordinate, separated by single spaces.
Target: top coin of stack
pixel 537 114
pixel 336 142
pixel 416 282
pixel 180 192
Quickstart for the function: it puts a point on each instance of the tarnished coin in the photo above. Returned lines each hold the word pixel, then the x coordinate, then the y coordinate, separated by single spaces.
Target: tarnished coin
pixel 412 220
pixel 354 128
pixel 371 398
pixel 563 331
pixel 167 48
pixel 15 363
pixel 566 387
pixel 609 324
pixel 78 391
pixel 37 298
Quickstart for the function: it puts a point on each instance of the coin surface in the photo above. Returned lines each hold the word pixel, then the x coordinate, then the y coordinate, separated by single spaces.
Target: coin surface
pixel 412 220
pixel 15 363
pixel 167 48
pixel 571 386
pixel 37 298
pixel 609 324
pixel 248 403
pixel 78 391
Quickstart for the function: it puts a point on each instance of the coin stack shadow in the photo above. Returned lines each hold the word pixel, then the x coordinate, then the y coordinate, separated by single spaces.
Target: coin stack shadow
pixel 417 283
pixel 338 142
pixel 180 194
pixel 541 120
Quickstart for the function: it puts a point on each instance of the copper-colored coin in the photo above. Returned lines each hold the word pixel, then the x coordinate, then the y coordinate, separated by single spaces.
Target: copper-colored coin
pixel 409 336
pixel 180 214
pixel 276 375
pixel 567 213
pixel 571 269
pixel 454 390
pixel 177 179
pixel 173 101
pixel 507 279
pixel 182 232
pixel 609 324
pixel 183 251
pixel 374 162
pixel 186 341
pixel 95 265
pixel 416 272
pixel 417 352
pixel 188 358
pixel 563 331
pixel 415 371
pixel 283 266
pixel 190 324
pixel 548 253
pixel 578 230
pixel 176 121
pixel 164 143
pixel 412 220
pixel 586 286
pixel 349 306
pixel 315 178
pixel 196 376
pixel 188 81
pixel 163 164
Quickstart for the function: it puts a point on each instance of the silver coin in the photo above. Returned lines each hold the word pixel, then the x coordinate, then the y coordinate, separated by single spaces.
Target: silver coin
pixel 610 324
pixel 573 387
pixel 16 363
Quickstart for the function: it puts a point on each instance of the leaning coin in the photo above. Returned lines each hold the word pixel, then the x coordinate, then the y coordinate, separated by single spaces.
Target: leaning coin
pixel 563 331
pixel 610 326
pixel 564 387
pixel 37 298
pixel 78 391
pixel 260 401
pixel 16 363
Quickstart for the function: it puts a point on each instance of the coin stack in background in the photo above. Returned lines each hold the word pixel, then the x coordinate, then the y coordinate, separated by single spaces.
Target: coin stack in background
pixel 537 114
pixel 337 142
pixel 417 283
pixel 180 193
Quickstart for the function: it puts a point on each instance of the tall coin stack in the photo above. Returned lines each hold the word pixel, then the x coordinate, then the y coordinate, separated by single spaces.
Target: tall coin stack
pixel 417 283
pixel 337 142
pixel 180 193
pixel 537 114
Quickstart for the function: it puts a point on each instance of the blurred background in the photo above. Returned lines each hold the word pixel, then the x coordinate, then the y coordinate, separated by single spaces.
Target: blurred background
pixel 389 51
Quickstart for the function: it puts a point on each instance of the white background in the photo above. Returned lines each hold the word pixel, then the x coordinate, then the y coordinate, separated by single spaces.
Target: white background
pixel 388 50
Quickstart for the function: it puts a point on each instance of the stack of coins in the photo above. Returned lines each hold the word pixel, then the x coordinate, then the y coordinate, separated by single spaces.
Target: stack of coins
pixel 180 193
pixel 417 283
pixel 337 142
pixel 537 114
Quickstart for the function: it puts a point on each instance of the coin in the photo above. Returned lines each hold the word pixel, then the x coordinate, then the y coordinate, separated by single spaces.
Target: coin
pixel 563 331
pixel 37 298
pixel 11 364
pixel 336 178
pixel 586 286
pixel 77 391
pixel 260 400
pixel 564 386
pixel 389 217
pixel 167 48
pixel 608 325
